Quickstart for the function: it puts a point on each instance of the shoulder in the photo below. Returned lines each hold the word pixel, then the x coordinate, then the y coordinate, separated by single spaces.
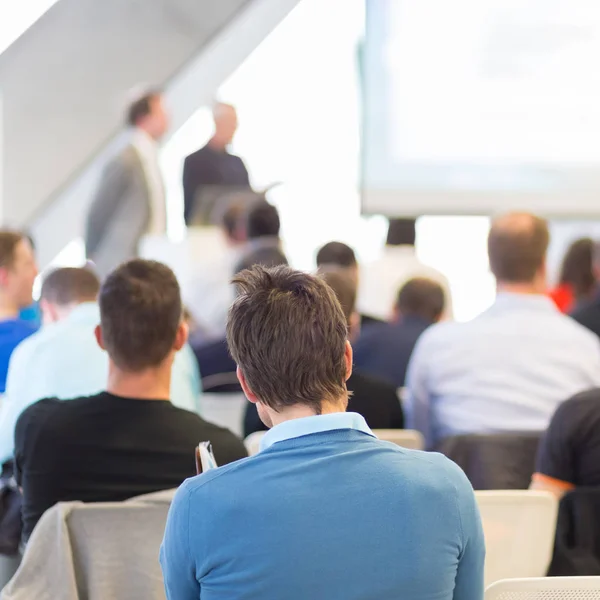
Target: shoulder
pixel 38 414
pixel 441 333
pixel 581 408
pixel 572 329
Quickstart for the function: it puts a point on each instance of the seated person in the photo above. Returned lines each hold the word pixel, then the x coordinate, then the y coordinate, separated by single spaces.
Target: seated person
pixel 325 510
pixel 130 439
pixel 261 226
pixel 567 456
pixel 509 368
pixel 381 279
pixel 587 312
pixel 383 350
pixel 18 271
pixel 375 400
pixel 63 360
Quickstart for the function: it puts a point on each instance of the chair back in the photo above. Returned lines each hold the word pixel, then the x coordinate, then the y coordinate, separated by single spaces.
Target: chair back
pixel 545 588
pixel 498 461
pixel 407 438
pixel 519 531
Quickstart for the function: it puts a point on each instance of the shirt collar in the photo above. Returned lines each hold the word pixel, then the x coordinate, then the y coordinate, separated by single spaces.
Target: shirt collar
pixel 316 424
pixel 85 312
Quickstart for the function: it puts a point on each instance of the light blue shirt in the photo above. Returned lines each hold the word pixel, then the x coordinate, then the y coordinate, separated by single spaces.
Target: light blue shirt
pixel 63 360
pixel 507 370
pixel 326 511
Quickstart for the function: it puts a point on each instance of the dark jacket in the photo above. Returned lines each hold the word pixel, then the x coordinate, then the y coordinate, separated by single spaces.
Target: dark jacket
pixel 588 314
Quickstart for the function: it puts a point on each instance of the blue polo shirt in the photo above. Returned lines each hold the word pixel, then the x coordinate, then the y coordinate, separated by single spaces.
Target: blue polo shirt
pixel 326 511
pixel 12 333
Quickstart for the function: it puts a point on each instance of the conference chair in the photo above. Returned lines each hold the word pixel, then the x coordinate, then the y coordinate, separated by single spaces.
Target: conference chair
pixel 95 551
pixel 519 531
pixel 406 438
pixel 495 461
pixel 225 410
pixel 545 588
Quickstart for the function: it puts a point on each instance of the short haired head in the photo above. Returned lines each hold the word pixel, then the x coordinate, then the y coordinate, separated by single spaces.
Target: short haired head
pixel 402 232
pixel 344 285
pixel 517 246
pixel 141 315
pixel 147 112
pixel 262 220
pixel 421 297
pixel 65 288
pixel 338 254
pixel 288 335
pixel 18 268
pixel 577 269
pixel 226 123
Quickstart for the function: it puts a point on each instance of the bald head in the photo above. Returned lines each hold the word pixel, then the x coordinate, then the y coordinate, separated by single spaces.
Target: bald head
pixel 225 118
pixel 517 246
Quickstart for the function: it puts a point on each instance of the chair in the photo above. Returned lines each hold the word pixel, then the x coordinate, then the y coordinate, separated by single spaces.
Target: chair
pixel 545 588
pixel 95 551
pixel 406 438
pixel 519 531
pixel 226 410
pixel 494 461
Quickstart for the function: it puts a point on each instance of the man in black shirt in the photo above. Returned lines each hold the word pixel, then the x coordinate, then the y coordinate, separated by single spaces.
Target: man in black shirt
pixel 129 440
pixel 211 172
pixel 569 453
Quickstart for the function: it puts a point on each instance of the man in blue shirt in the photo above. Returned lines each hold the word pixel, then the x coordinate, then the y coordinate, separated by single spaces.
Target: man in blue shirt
pixel 63 360
pixel 325 510
pixel 384 349
pixel 18 271
pixel 510 368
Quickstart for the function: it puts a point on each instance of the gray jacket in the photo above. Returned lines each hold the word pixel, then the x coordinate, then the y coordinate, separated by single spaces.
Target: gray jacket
pixel 120 213
pixel 104 551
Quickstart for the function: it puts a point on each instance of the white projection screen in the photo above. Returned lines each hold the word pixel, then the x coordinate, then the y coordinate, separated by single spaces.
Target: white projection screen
pixel 479 106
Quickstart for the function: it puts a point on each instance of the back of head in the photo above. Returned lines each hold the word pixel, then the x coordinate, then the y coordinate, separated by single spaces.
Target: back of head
pixel 338 254
pixel 420 297
pixel 287 333
pixel 517 246
pixel 577 269
pixel 344 287
pixel 402 232
pixel 9 240
pixel 140 313
pixel 67 286
pixel 262 220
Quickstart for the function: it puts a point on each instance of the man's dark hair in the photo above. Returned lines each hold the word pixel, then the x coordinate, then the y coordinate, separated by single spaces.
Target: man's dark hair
pixel 262 220
pixel 517 246
pixel 343 286
pixel 336 253
pixel 9 240
pixel 140 313
pixel 421 297
pixel 141 107
pixel 287 333
pixel 402 232
pixel 70 285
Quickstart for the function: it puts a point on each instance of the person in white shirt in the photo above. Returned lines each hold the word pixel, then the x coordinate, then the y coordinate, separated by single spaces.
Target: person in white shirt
pixel 130 200
pixel 380 280
pixel 509 368
pixel 62 360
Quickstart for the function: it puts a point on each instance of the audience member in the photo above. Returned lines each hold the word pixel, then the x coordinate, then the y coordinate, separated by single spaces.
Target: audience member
pixel 569 451
pixel 381 279
pixel 508 369
pixel 261 226
pixel 384 349
pixel 18 271
pixel 588 312
pixel 208 292
pixel 130 201
pixel 63 360
pixel 577 280
pixel 338 254
pixel 329 502
pixel 212 171
pixel 129 440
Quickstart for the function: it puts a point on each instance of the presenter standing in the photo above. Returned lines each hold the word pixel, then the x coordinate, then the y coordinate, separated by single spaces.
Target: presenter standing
pixel 212 172
pixel 130 200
